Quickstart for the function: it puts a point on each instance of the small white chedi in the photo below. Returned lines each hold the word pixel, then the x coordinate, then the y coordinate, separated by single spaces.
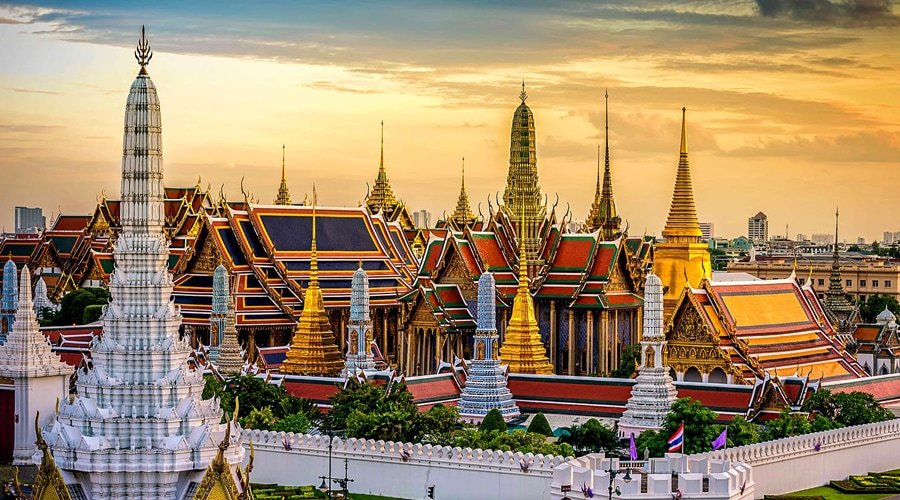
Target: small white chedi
pixel 39 376
pixel 653 392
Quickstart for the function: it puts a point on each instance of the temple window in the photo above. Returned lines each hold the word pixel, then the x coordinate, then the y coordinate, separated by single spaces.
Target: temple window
pixel 821 282
pixel 849 282
pixel 874 283
pixel 862 283
pixel 887 283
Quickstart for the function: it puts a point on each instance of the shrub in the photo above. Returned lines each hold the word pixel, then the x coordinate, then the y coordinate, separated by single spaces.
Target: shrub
pixel 493 421
pixel 540 425
pixel 297 423
pixel 259 418
pixel 91 313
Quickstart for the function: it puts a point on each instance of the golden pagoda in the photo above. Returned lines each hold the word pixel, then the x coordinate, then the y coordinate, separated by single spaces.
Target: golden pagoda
pixel 603 215
pixel 522 348
pixel 522 196
pixel 463 217
pixel 314 350
pixel 284 197
pixel 682 259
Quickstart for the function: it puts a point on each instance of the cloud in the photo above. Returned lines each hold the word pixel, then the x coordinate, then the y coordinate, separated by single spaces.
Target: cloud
pixel 860 147
pixel 28 128
pixel 35 91
pixel 846 13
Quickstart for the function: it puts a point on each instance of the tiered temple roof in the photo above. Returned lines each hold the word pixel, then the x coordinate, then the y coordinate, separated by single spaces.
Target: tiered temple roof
pixel 756 328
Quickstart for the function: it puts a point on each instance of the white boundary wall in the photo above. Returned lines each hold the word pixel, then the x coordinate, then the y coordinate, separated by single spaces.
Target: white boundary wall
pixel 379 467
pixel 793 464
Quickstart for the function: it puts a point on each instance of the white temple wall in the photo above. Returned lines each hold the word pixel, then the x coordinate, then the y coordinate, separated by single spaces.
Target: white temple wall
pixel 378 467
pixel 793 464
pixel 33 395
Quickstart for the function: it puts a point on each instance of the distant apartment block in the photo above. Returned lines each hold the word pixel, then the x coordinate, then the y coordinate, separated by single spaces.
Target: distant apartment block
pixel 758 228
pixel 707 230
pixel 30 220
pixel 422 218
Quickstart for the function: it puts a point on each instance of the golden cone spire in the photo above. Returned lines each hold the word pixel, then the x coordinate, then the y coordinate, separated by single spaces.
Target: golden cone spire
pixel 682 224
pixel 682 260
pixel 382 199
pixel 284 196
pixel 522 348
pixel 314 350
pixel 463 217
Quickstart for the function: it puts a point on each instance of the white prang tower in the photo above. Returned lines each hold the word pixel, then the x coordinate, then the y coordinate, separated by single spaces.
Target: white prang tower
pixel 359 329
pixel 40 377
pixel 653 392
pixel 485 379
pixel 138 427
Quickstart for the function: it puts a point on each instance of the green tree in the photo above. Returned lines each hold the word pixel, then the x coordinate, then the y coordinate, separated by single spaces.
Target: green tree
pixel 73 304
pixel 786 425
pixel 297 423
pixel 874 304
pixel 519 440
pixel 743 432
pixel 368 398
pixel 846 408
pixel 439 423
pixel 91 313
pixel 493 421
pixel 627 362
pixel 700 428
pixel 591 437
pixel 540 425
pixel 258 418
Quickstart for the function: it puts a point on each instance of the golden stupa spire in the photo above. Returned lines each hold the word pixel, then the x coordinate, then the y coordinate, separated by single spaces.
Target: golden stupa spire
pixel 284 196
pixel 314 350
pixel 522 348
pixel 463 217
pixel 682 224
pixel 381 199
pixel 603 214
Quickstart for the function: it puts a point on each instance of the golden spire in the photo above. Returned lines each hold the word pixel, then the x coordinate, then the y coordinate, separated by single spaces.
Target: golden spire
pixel 522 348
pixel 682 225
pixel 603 213
pixel 382 199
pixel 314 350
pixel 463 217
pixel 283 197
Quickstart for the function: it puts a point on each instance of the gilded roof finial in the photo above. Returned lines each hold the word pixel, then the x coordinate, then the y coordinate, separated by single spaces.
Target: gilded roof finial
pixel 683 131
pixel 682 224
pixel 313 253
pixel 381 164
pixel 463 173
pixel 523 95
pixel 142 53
pixel 284 196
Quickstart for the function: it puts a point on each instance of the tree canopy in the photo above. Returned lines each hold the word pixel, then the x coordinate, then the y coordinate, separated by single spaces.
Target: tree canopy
pixel 73 308
pixel 540 425
pixel 591 437
pixel 874 304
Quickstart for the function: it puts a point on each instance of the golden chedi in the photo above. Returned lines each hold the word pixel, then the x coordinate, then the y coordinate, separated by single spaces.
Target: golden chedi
pixel 314 350
pixel 682 259
pixel 522 348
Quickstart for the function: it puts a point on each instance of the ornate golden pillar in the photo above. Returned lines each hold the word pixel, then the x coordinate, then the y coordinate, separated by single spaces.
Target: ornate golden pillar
pixel 590 342
pixel 604 341
pixel 639 324
pixel 384 333
pixel 572 340
pixel 553 334
pixel 615 341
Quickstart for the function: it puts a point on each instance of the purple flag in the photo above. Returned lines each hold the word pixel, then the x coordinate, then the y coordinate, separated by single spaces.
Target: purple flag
pixel 721 441
pixel 632 448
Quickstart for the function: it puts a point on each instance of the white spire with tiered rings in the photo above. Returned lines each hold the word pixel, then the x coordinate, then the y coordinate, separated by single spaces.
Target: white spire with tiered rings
pixel 138 427
pixel 486 388
pixel 653 392
pixel 359 355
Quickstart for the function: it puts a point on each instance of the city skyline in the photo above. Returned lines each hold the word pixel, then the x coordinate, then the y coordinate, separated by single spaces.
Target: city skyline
pixel 798 105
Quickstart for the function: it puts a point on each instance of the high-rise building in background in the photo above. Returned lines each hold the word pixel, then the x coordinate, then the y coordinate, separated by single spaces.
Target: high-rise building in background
pixel 822 239
pixel 860 240
pixel 422 218
pixel 707 230
pixel 801 237
pixel 896 236
pixel 758 228
pixel 30 220
pixel 888 237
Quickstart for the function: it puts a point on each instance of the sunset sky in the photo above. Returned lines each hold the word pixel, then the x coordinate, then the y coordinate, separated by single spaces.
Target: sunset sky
pixel 793 105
